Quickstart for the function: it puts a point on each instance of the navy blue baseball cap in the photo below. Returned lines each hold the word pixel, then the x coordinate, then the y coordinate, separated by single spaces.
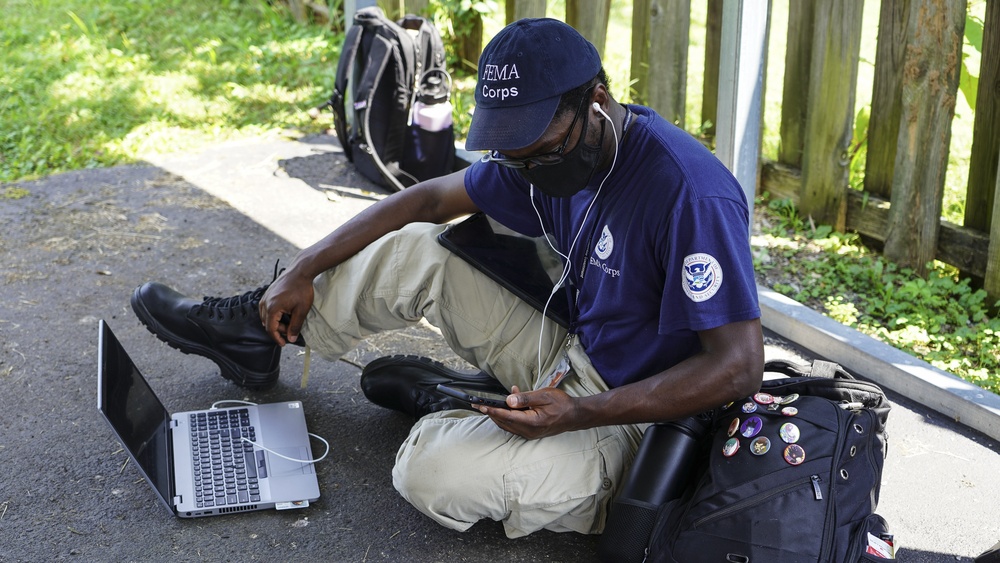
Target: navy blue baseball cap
pixel 523 72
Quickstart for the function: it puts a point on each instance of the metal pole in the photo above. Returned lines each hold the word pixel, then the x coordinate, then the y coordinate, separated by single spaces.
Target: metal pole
pixel 741 89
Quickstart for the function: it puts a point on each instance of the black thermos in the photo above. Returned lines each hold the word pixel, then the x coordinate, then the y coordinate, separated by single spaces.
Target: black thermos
pixel 661 471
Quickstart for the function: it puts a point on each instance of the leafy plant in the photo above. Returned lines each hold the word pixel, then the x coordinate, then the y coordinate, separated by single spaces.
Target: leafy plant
pixel 858 152
pixel 463 100
pixel 968 81
pixel 940 319
pixel 458 20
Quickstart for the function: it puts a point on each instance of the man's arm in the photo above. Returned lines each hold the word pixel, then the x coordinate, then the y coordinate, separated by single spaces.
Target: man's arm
pixel 729 367
pixel 436 201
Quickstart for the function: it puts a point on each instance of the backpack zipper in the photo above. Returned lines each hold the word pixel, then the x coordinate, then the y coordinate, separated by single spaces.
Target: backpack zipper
pixel 760 498
pixel 826 547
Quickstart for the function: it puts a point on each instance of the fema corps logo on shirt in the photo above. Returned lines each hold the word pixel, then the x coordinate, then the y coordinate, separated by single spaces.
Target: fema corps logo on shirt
pixel 605 245
pixel 702 276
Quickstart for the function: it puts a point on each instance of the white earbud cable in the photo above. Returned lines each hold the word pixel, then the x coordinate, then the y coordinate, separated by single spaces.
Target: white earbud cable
pixel 568 264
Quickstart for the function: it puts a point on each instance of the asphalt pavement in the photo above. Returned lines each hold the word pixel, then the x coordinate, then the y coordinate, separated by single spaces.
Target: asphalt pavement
pixel 214 222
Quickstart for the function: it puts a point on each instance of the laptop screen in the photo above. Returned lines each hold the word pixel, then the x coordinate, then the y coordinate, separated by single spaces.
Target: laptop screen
pixel 523 265
pixel 136 415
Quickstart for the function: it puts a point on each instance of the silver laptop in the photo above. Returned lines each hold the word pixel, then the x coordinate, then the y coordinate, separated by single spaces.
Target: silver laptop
pixel 201 463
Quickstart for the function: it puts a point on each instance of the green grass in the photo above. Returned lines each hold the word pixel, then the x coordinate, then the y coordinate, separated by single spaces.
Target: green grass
pixel 940 318
pixel 90 83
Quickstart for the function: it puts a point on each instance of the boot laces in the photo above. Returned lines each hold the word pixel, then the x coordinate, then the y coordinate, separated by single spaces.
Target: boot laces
pixel 231 305
pixel 245 304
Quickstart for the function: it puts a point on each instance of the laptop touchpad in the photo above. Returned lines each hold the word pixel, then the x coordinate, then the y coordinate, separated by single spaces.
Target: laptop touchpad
pixel 280 467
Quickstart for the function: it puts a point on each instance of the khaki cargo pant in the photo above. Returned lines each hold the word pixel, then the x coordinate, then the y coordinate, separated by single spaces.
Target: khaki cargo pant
pixel 457 466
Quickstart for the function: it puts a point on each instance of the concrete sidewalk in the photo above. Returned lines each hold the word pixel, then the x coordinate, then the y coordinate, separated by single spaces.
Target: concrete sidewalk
pixel 215 221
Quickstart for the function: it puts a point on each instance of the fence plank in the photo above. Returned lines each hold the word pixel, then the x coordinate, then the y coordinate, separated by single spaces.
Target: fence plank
pixel 830 117
pixel 887 97
pixel 590 18
pixel 520 9
pixel 298 10
pixel 710 82
pixel 638 89
pixel 992 281
pixel 794 97
pixel 743 58
pixel 869 215
pixel 393 8
pixel 416 6
pixel 470 44
pixel 986 129
pixel 930 84
pixel 669 33
pixel 780 181
pixel 964 248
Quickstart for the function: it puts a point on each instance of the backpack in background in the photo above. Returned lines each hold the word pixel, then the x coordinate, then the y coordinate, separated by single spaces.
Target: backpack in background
pixel 773 492
pixel 392 100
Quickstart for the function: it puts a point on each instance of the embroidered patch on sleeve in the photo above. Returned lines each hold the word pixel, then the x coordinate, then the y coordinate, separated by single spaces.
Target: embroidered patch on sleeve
pixel 702 276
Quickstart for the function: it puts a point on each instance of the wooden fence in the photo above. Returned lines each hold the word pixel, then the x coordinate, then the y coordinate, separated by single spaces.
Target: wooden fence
pixel 917 65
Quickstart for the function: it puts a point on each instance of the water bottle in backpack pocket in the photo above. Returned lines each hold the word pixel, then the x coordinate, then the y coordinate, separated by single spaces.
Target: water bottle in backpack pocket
pixel 429 150
pixel 662 470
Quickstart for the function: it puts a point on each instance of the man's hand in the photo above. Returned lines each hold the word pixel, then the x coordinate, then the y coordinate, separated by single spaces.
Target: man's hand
pixel 284 306
pixel 536 414
pixel 729 366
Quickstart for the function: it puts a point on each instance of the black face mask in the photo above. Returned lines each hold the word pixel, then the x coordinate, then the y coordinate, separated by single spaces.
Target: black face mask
pixel 568 177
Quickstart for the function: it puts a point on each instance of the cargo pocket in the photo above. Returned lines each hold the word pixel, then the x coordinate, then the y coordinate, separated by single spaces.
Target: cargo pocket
pixel 565 493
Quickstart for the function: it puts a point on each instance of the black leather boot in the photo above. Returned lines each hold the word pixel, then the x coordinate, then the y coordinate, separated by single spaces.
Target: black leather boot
pixel 227 331
pixel 409 384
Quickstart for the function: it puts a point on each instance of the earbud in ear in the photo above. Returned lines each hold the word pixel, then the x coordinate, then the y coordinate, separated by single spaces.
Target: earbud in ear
pixel 597 108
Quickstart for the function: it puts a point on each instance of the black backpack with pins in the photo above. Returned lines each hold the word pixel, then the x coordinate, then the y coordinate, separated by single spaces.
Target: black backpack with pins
pixel 392 100
pixel 791 474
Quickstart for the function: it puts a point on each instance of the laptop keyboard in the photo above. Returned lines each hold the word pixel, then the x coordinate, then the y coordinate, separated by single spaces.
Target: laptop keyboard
pixel 226 468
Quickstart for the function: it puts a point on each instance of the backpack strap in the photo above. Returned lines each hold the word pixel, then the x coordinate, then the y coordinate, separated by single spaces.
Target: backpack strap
pixel 828 380
pixel 429 50
pixel 379 54
pixel 822 368
pixel 344 68
pixel 410 53
pixel 819 368
pixel 422 50
pixel 437 56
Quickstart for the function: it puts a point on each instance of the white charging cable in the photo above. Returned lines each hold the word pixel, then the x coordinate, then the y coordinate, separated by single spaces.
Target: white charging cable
pixel 215 406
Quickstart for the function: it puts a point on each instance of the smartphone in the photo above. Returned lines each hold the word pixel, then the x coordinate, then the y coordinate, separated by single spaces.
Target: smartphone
pixel 473 399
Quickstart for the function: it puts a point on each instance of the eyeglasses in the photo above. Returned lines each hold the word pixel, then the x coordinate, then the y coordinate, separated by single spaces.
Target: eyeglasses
pixel 546 159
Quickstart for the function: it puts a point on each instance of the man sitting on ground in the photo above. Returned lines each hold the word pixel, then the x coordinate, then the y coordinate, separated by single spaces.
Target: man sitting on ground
pixel 665 323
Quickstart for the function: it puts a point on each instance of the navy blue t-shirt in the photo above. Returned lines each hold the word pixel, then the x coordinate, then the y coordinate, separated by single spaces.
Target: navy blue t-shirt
pixel 664 252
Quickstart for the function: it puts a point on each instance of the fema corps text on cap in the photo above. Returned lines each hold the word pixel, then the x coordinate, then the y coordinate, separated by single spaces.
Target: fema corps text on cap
pixel 523 71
